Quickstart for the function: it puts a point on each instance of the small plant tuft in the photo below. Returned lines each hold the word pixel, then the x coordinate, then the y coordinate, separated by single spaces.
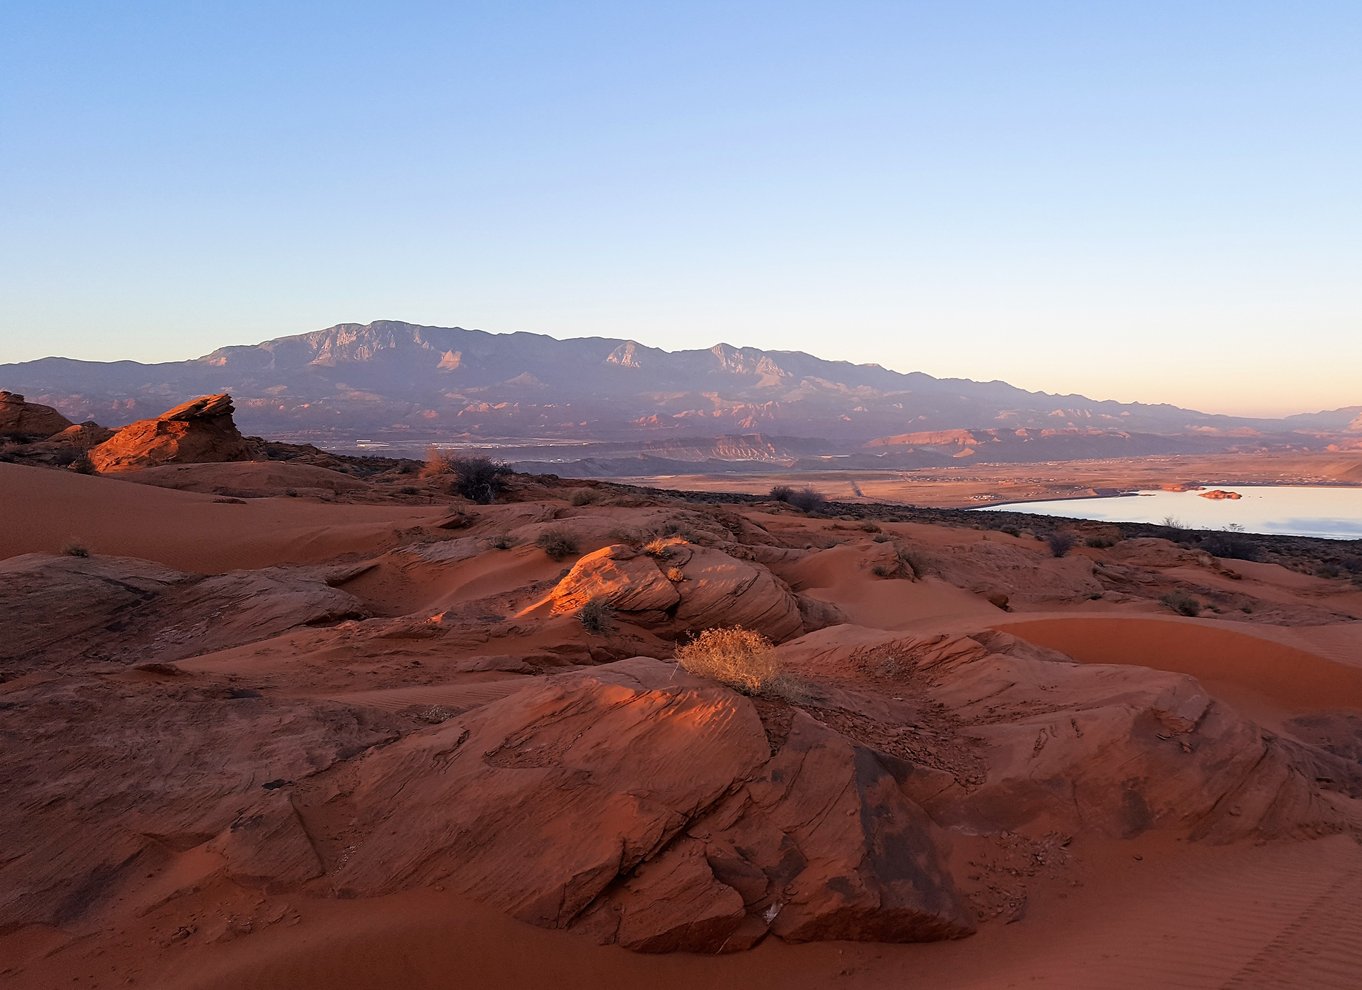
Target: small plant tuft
pixel 1182 603
pixel 74 548
pixel 657 547
pixel 675 575
pixel 581 496
pixel 502 541
pixel 596 616
pixel 557 543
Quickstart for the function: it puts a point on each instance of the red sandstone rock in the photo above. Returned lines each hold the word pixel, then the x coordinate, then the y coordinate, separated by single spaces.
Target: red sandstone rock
pixel 200 431
pixel 19 418
pixel 687 588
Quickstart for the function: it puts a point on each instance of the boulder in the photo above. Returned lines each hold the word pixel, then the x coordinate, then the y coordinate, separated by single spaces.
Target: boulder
pixel 197 432
pixel 682 588
pixel 83 436
pixel 28 420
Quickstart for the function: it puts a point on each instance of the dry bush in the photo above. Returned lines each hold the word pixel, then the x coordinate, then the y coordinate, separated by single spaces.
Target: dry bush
pixel 1182 603
pixel 657 547
pixel 807 499
pixel 742 659
pixel 557 543
pixel 675 575
pixel 437 463
pixel 502 541
pixel 581 496
pixel 479 479
pixel 1061 541
pixel 912 562
pixel 595 616
pixel 74 548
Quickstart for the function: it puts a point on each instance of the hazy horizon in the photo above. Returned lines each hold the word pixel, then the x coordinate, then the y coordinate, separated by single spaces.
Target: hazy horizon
pixel 1152 204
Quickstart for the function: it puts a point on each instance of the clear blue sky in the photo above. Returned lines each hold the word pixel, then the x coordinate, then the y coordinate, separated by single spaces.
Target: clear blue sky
pixel 1155 201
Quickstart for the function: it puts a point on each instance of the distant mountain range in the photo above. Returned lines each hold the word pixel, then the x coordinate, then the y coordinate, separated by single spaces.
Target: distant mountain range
pixel 410 385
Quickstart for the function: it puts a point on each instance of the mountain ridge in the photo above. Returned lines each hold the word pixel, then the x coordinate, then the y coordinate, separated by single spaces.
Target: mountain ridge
pixel 397 380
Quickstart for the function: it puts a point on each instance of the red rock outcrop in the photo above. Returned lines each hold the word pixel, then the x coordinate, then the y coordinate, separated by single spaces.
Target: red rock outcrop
pixel 20 418
pixel 83 436
pixel 199 431
pixel 683 588
pixel 647 807
pixel 122 609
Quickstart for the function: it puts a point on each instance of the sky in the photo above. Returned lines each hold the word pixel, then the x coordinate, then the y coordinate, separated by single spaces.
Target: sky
pixel 1139 201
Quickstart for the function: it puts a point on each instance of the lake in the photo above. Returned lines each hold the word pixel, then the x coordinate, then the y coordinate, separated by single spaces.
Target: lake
pixel 1332 513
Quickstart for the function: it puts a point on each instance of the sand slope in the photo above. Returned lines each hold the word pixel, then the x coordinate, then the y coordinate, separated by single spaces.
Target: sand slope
pixel 293 742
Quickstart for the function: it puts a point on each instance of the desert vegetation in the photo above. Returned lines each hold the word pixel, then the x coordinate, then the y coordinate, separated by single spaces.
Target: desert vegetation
pixel 1182 603
pixel 595 616
pixel 559 544
pixel 807 499
pixel 475 477
pixel 741 658
pixel 1060 542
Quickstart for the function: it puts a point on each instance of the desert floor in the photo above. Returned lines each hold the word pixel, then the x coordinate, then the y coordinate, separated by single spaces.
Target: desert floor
pixel 235 699
pixel 969 485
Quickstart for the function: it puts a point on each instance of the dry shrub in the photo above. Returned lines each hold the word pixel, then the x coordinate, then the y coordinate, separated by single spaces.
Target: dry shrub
pixel 74 548
pixel 437 463
pixel 557 543
pixel 1182 603
pixel 742 659
pixel 657 547
pixel 675 575
pixel 1060 542
pixel 595 616
pixel 502 541
pixel 581 496
pixel 479 479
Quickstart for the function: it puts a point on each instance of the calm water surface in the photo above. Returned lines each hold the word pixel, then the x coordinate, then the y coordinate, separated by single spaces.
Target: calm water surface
pixel 1334 513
